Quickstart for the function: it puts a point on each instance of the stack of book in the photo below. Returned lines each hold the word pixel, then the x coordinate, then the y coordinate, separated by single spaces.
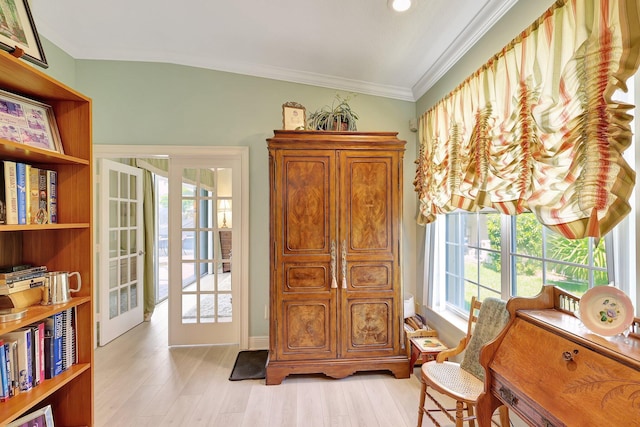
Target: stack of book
pixel 28 195
pixel 19 278
pixel 37 352
pixel 21 285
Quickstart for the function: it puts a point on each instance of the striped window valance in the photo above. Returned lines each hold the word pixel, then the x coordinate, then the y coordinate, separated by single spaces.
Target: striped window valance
pixel 537 128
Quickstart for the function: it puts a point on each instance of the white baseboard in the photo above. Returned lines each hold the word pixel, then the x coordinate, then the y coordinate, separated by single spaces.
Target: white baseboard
pixel 259 343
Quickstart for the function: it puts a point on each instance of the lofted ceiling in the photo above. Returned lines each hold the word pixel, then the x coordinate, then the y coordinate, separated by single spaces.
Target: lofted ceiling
pixel 353 45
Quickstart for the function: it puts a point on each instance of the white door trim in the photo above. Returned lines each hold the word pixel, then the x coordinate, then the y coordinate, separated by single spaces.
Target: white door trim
pixel 147 151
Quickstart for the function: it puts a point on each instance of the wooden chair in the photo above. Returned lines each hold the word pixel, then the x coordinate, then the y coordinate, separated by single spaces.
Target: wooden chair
pixel 464 382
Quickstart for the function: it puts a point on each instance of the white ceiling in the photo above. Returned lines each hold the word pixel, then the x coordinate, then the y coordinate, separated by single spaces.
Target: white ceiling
pixel 354 45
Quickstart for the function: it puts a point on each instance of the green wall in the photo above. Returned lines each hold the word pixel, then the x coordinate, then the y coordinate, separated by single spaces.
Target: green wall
pixel 164 104
pixel 147 103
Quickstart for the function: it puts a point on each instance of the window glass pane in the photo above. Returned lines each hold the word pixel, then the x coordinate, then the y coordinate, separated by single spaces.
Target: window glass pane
pixel 114 250
pixel 207 308
pixel 113 275
pixel 133 187
pixel 124 300
pixel 124 186
pixel 134 295
pixel 189 308
pixel 188 244
pixel 570 277
pixel 113 304
pixel 113 213
pixel 224 182
pixel 113 183
pixel 188 189
pixel 527 276
pixel 224 308
pixel 528 235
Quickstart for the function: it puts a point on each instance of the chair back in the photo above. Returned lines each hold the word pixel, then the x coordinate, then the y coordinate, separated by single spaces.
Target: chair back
pixel 491 319
pixel 473 317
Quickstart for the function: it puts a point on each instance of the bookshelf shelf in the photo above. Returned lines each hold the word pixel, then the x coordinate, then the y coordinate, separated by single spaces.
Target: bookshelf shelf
pixel 24 401
pixel 10 150
pixel 36 227
pixel 64 246
pixel 40 312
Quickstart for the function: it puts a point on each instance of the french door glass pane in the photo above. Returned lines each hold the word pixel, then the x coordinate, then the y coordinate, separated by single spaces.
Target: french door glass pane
pixel 205 230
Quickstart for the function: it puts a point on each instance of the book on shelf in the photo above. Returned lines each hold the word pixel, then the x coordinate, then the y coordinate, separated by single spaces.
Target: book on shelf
pixel 52 196
pixel 11 353
pixel 23 274
pixel 3 197
pixel 4 374
pixel 24 356
pixel 33 196
pixel 21 188
pixel 53 345
pixel 68 338
pixel 21 285
pixel 37 351
pixel 43 213
pixel 11 191
pixel 13 268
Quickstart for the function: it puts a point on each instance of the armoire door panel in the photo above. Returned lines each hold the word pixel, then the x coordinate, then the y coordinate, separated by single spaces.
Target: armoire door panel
pixel 369 326
pixel 307 192
pixel 370 276
pixel 308 329
pixel 368 220
pixel 306 277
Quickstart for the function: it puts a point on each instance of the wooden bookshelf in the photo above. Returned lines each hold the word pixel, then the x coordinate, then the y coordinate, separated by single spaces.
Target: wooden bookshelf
pixel 65 246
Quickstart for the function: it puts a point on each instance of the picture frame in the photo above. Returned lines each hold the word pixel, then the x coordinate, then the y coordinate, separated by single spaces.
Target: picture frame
pixel 18 35
pixel 28 122
pixel 294 116
pixel 40 418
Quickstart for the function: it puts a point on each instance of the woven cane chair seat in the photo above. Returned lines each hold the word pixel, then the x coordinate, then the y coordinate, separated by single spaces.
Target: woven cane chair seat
pixel 457 382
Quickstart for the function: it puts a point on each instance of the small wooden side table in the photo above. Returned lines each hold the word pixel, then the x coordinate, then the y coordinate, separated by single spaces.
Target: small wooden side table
pixel 424 349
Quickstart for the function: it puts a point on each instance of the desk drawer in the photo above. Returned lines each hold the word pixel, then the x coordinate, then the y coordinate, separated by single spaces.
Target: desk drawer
pixel 521 404
pixel 552 378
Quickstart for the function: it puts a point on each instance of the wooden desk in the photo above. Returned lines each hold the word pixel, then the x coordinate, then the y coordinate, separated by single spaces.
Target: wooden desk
pixel 552 371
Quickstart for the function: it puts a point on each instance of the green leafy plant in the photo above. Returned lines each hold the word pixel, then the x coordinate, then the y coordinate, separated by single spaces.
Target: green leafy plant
pixel 338 116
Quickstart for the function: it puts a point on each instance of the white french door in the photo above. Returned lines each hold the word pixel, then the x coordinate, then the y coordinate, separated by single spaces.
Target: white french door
pixel 120 283
pixel 204 280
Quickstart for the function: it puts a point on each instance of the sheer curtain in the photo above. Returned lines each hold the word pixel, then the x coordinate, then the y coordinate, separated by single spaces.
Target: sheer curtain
pixel 536 128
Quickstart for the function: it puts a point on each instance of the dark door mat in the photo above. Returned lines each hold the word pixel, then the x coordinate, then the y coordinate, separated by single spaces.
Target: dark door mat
pixel 250 365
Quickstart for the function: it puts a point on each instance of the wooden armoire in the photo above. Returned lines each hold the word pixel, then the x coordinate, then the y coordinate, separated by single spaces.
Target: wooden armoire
pixel 335 281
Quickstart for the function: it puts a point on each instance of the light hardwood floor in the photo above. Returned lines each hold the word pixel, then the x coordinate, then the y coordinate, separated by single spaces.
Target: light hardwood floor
pixel 140 381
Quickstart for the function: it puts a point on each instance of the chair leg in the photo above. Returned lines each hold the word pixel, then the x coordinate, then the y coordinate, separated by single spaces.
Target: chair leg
pixel 423 395
pixel 504 416
pixel 472 423
pixel 459 413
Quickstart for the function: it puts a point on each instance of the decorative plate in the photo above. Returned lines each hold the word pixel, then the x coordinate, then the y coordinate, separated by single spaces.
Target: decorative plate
pixel 606 310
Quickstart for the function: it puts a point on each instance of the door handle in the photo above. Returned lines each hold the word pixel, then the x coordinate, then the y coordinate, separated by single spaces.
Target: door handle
pixel 344 264
pixel 334 282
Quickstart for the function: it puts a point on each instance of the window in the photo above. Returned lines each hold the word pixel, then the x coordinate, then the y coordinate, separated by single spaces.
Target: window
pixel 490 254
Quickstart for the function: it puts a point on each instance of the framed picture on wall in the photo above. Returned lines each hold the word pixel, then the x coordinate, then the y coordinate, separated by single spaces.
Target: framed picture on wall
pixel 28 122
pixel 294 116
pixel 18 32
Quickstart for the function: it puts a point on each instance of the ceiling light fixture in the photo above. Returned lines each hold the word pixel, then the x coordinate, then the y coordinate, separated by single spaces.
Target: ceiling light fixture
pixel 399 5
